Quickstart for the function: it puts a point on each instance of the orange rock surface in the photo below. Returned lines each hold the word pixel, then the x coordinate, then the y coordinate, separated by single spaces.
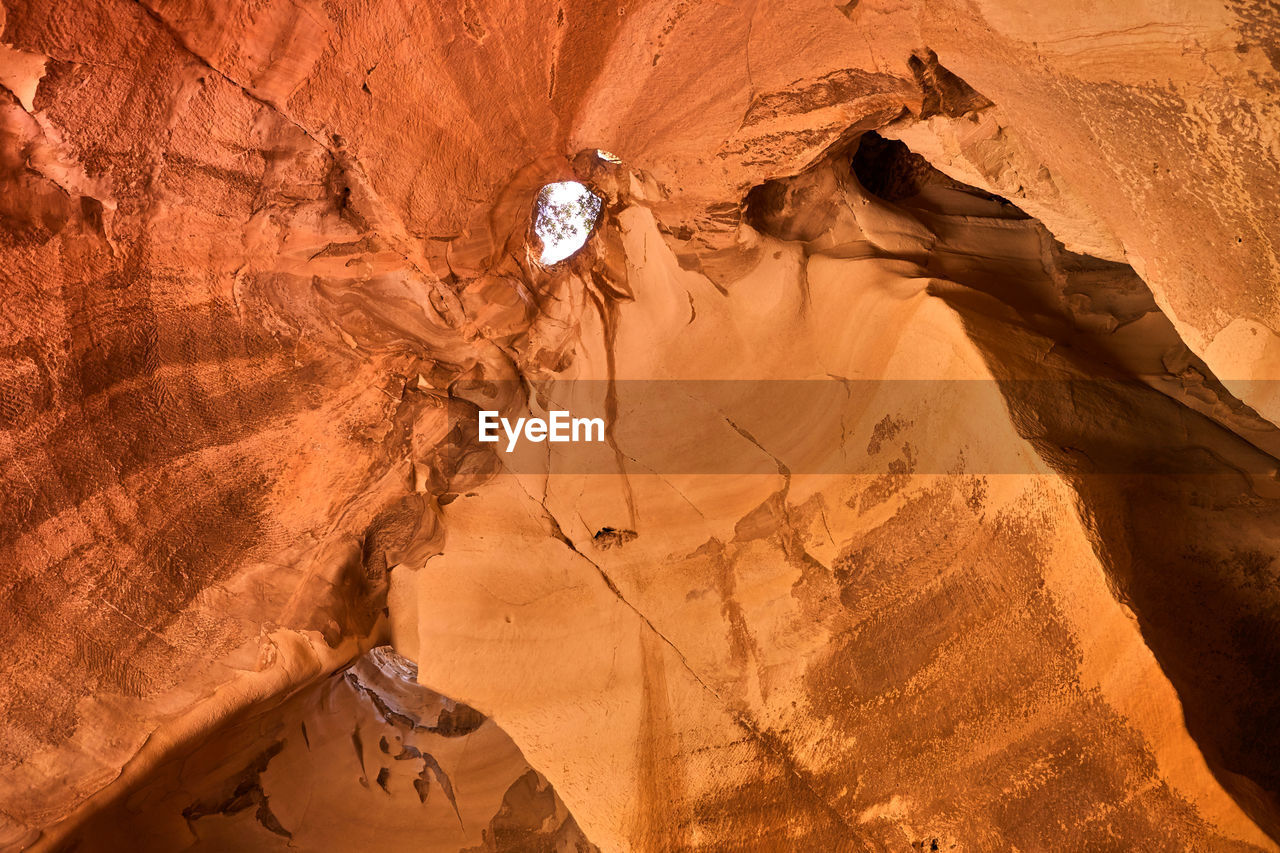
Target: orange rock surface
pixel 937 344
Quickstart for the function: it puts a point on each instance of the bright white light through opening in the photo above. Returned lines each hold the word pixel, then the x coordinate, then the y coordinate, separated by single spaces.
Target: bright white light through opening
pixel 567 211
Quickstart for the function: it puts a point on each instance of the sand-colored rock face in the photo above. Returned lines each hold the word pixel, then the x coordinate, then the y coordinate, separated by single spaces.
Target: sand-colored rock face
pixel 938 506
pixel 363 759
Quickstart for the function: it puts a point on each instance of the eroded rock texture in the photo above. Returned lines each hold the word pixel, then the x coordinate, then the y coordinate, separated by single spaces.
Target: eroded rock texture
pixel 937 345
pixel 366 759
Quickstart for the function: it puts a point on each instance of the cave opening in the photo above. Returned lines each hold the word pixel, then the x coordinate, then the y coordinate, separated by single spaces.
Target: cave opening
pixel 891 171
pixel 393 664
pixel 565 215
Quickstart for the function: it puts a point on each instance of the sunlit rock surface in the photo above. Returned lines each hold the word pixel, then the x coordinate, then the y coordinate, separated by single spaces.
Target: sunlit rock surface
pixel 937 344
pixel 364 759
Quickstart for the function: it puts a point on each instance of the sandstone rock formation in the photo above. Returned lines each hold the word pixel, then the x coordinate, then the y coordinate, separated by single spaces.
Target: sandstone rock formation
pixel 936 343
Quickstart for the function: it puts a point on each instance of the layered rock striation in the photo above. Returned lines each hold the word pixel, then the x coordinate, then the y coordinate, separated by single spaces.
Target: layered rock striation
pixel 935 343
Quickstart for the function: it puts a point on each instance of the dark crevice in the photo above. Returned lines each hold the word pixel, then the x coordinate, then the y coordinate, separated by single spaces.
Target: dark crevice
pixel 1194 556
pixel 457 721
pixel 889 170
pixel 247 793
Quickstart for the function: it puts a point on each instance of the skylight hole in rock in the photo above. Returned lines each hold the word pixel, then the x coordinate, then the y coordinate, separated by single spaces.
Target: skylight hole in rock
pixel 394 664
pixel 565 216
